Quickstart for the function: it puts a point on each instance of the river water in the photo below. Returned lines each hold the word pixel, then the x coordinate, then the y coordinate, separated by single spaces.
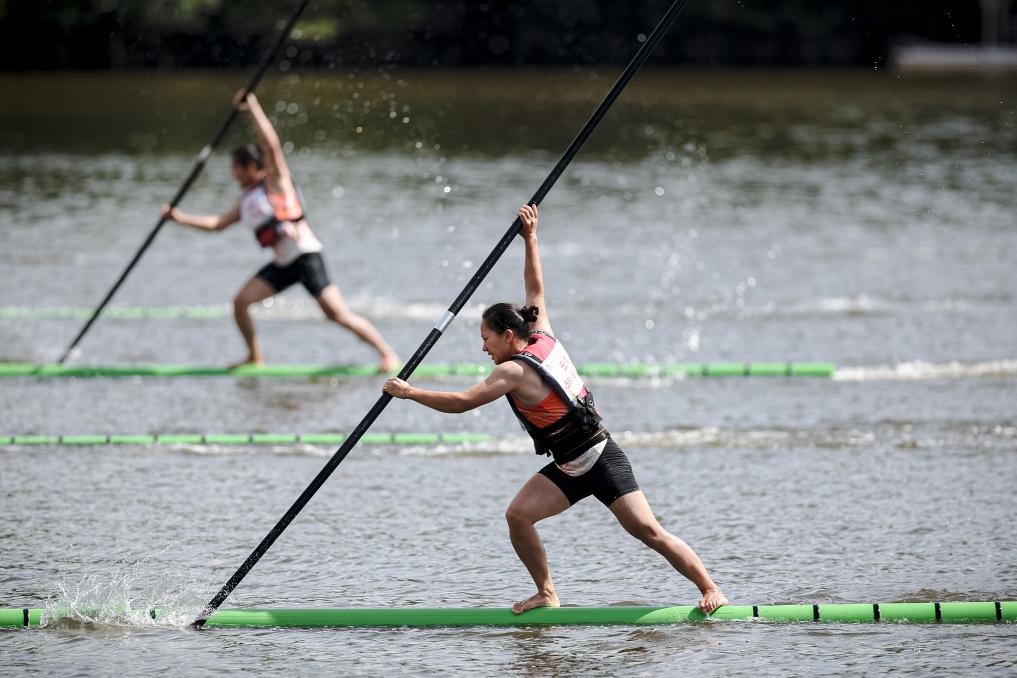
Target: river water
pixel 860 218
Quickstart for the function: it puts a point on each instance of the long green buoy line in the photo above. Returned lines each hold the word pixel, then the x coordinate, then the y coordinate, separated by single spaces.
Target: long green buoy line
pixel 246 439
pixel 117 312
pixel 632 370
pixel 947 613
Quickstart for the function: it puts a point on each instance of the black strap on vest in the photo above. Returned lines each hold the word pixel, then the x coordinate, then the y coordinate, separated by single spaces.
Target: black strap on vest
pixel 571 435
pixel 269 232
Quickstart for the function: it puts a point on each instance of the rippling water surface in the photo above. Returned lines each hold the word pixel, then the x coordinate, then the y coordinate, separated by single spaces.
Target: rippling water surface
pixel 862 219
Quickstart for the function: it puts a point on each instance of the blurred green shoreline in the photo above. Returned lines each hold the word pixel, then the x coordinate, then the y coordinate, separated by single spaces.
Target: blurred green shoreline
pixel 481 110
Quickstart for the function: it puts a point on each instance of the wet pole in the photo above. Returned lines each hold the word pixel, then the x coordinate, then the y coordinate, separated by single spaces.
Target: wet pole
pixel 432 338
pixel 199 165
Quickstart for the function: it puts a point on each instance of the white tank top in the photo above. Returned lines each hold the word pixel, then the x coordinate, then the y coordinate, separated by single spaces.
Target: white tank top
pixel 256 209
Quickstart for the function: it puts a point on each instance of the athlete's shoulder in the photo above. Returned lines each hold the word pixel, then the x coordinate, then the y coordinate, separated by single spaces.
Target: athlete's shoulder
pixel 541 344
pixel 509 369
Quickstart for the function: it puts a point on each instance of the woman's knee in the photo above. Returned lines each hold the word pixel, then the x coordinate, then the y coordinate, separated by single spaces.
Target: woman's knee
pixel 336 311
pixel 240 304
pixel 254 290
pixel 340 316
pixel 516 516
pixel 651 534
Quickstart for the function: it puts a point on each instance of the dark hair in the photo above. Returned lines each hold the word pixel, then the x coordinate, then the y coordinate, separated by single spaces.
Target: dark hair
pixel 501 317
pixel 249 154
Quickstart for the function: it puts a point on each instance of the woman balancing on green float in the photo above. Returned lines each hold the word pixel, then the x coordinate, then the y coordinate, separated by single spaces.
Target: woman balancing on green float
pixel 271 206
pixel 550 400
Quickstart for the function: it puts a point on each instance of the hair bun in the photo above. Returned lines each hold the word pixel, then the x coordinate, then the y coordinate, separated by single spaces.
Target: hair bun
pixel 529 313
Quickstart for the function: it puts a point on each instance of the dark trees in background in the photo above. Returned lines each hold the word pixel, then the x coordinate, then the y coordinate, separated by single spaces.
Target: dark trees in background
pixel 62 34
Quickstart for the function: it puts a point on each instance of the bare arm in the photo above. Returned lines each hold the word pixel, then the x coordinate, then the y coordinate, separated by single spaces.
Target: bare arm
pixel 275 161
pixel 502 380
pixel 209 222
pixel 533 276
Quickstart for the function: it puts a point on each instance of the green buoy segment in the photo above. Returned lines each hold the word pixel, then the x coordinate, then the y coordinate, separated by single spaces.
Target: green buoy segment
pixel 323 438
pixel 116 312
pixel 246 439
pixel 948 612
pixel 227 439
pixel 180 439
pixel 132 440
pixel 81 440
pixel 36 440
pixel 626 370
pixel 273 439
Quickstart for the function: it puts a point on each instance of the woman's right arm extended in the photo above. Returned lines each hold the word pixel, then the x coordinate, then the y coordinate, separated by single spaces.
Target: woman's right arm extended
pixel 503 379
pixel 533 276
pixel 210 222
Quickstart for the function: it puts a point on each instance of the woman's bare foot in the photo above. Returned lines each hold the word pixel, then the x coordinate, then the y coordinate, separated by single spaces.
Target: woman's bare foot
pixel 389 362
pixel 536 600
pixel 257 362
pixel 712 599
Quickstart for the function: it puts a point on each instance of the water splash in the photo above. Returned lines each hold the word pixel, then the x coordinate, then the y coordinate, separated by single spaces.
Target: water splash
pixel 131 592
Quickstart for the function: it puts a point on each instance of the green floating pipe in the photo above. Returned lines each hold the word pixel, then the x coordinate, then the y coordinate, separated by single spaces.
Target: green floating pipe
pixel 246 439
pixel 117 312
pixel 948 613
pixel 630 370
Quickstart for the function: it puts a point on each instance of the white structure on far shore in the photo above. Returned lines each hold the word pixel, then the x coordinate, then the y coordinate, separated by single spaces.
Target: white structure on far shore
pixel 997 50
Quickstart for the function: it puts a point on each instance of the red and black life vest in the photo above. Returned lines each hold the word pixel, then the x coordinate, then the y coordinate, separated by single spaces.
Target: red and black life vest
pixel 266 211
pixel 579 428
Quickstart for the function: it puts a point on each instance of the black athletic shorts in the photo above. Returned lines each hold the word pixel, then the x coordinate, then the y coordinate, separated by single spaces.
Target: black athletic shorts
pixel 610 478
pixel 308 269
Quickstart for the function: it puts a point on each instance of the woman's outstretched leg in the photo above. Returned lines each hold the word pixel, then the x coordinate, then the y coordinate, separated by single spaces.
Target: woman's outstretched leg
pixel 336 310
pixel 634 513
